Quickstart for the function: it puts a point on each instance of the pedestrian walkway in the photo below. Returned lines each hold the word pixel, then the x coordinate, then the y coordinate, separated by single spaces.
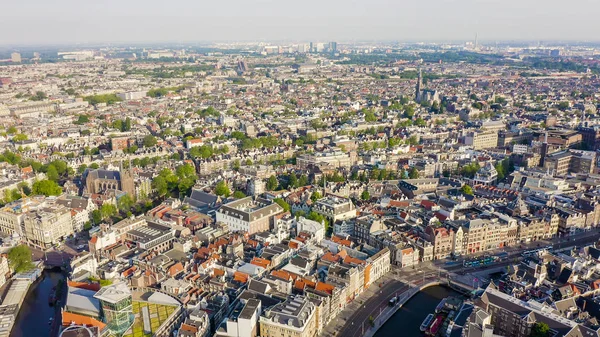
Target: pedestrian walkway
pixel 359 303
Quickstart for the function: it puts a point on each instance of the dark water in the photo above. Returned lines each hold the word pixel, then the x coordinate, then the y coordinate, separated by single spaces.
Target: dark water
pixel 408 319
pixel 35 311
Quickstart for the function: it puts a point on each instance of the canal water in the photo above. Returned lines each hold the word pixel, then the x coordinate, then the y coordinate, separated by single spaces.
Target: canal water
pixel 35 311
pixel 407 320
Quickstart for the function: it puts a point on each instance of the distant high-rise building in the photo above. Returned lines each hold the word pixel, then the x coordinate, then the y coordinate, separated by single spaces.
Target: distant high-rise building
pixel 311 48
pixel 15 57
pixel 242 67
pixel 333 47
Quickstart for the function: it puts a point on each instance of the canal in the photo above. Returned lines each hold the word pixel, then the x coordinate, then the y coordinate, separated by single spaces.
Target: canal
pixel 408 319
pixel 35 311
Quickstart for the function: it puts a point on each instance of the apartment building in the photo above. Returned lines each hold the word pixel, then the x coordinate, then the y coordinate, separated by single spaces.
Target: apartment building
pixel 329 159
pixel 487 233
pixel 377 266
pixel 250 214
pixel 571 161
pixel 365 225
pixel 481 140
pixel 11 219
pixel 152 236
pixel 513 317
pixel 335 208
pixel 442 239
pixel 243 321
pixel 294 317
pixel 48 226
pixel 570 221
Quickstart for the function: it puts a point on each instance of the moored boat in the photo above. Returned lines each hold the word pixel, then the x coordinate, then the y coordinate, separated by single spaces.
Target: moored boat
pixel 426 322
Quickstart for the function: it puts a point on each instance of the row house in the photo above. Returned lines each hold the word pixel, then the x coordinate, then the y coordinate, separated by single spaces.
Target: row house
pixel 443 240
pixel 533 228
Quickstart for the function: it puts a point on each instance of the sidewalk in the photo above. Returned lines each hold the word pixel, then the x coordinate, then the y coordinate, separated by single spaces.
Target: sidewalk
pixel 337 323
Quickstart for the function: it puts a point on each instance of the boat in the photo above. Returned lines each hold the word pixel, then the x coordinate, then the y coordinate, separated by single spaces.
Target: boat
pixel 435 326
pixel 441 305
pixel 52 297
pixel 444 313
pixel 426 322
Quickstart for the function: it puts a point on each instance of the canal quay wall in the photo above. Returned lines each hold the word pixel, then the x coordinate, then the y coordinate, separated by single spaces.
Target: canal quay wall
pixel 386 314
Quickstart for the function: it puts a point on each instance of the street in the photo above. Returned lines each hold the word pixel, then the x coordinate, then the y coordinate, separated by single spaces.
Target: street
pixel 353 321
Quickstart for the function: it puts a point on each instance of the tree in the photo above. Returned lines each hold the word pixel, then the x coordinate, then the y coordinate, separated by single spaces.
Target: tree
pixel 303 181
pixel 317 124
pixel 469 170
pixel 149 141
pixel 81 168
pixel 185 170
pixel 222 189
pixel 540 329
pixel 420 122
pixel 46 187
pixel 283 204
pixel 20 138
pixel 96 216
pixel 19 259
pixel 239 194
pixel 108 210
pixel 413 173
pixel 52 173
pixel 236 165
pixel 272 183
pixel 293 181
pixel 82 119
pixel 315 196
pixel 60 165
pixel 204 151
pixel 125 203
pixel 409 111
pixel 314 216
pixel 466 189
pixel 106 98
pixel 39 96
pixel 365 195
pixel 160 185
pixel 185 184
pixel 117 124
pixel 370 117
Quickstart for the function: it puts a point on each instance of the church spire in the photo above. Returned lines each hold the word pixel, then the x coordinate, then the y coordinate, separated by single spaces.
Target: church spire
pixel 419 86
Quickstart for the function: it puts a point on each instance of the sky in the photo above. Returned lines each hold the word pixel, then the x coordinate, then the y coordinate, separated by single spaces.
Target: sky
pixel 100 21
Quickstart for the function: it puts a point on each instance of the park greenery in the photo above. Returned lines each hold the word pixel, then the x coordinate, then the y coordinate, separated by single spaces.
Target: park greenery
pixel 105 98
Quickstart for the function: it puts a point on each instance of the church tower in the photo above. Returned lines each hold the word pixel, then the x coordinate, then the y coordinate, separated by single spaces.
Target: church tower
pixel 419 87
pixel 127 180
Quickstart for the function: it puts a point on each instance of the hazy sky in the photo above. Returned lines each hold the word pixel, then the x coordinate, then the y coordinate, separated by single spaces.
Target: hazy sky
pixel 81 21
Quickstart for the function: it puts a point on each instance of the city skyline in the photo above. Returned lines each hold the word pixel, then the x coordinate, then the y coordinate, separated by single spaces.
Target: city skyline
pixel 68 21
